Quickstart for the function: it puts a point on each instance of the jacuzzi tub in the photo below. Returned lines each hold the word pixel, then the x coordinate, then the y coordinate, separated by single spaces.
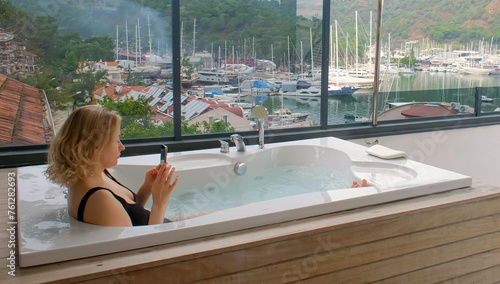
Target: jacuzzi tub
pixel 47 233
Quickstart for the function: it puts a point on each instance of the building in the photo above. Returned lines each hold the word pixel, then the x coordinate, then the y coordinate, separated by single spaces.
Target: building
pixel 116 92
pixel 24 114
pixel 233 116
pixel 14 58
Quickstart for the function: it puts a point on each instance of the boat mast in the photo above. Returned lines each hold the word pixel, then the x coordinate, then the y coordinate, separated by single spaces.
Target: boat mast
pixel 194 37
pixel 139 34
pixel 182 34
pixel 272 57
pixel 346 48
pixel 357 43
pixel 218 62
pixel 389 52
pixel 136 45
pixel 149 35
pixel 253 53
pixel 370 50
pixel 301 59
pixel 312 53
pixel 239 85
pixel 212 56
pixel 116 43
pixel 331 48
pixel 337 50
pixel 288 42
pixel 126 39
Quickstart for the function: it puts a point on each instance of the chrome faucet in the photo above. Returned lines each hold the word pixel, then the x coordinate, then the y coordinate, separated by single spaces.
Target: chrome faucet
pixel 224 146
pixel 260 113
pixel 238 141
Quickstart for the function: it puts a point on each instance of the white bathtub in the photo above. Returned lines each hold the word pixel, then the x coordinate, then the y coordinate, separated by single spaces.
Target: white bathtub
pixel 47 234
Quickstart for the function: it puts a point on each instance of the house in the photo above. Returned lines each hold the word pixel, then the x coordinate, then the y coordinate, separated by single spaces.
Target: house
pixel 230 115
pixel 13 57
pixel 114 72
pixel 116 92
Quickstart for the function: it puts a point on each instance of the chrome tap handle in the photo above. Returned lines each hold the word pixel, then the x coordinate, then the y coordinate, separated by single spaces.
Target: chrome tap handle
pixel 261 133
pixel 238 141
pixel 224 146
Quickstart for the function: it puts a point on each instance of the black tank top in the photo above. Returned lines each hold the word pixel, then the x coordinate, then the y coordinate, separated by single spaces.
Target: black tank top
pixel 138 214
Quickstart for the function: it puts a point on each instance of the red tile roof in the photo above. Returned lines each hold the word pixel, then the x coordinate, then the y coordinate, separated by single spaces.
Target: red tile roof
pixel 21 114
pixel 108 63
pixel 116 91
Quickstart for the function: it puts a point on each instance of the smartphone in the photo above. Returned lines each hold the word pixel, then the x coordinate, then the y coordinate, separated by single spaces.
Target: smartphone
pixel 163 154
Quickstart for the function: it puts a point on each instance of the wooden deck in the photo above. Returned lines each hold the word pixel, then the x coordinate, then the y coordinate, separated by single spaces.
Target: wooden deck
pixel 451 237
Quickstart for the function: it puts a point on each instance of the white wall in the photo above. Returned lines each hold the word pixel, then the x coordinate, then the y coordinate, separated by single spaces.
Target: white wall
pixel 472 151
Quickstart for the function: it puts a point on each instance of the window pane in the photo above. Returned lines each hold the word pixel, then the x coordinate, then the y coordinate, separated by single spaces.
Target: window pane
pixel 73 53
pixel 433 61
pixel 351 77
pixel 237 54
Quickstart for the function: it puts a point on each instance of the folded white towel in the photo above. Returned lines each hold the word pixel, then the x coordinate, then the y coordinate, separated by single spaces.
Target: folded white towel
pixel 384 152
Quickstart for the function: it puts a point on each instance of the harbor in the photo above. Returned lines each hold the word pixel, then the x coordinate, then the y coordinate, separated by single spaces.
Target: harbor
pixel 421 87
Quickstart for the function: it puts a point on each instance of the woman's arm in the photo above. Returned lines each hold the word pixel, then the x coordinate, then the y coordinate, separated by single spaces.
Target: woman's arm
pixel 144 191
pixel 161 190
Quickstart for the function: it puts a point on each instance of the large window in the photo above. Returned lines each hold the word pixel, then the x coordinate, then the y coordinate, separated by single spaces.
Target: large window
pixel 351 68
pixel 72 53
pixel 238 54
pixel 184 70
pixel 438 60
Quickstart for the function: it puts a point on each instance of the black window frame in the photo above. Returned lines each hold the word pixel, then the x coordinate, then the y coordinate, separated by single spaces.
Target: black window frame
pixel 25 155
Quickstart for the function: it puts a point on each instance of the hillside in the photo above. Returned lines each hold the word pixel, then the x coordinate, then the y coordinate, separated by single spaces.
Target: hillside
pixel 235 20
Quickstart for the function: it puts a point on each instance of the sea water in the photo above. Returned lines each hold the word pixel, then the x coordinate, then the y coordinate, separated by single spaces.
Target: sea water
pixel 265 185
pixel 422 87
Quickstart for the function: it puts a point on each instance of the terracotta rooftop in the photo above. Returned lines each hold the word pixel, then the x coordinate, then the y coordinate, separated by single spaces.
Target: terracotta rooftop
pixel 117 91
pixel 108 63
pixel 21 114
pixel 427 111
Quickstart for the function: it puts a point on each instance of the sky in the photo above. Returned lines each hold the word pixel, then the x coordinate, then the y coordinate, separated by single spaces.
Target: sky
pixel 308 8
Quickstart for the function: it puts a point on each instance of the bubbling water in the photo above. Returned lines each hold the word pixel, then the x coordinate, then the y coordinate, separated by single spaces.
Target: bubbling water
pixel 265 185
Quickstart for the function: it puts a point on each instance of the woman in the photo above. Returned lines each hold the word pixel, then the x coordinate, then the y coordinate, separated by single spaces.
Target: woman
pixel 79 156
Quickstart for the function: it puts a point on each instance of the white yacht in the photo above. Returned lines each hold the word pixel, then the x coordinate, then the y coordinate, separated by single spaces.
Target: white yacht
pixel 213 77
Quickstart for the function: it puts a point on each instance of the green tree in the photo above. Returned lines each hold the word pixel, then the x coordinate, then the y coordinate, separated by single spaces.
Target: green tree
pixel 137 111
pixel 137 119
pixel 70 62
pixel 217 126
pixel 45 36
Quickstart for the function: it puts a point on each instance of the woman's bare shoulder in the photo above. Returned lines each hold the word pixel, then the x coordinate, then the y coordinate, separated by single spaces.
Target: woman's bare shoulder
pixel 102 208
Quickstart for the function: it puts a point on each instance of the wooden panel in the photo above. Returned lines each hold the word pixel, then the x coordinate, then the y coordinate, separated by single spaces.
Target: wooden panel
pixel 231 262
pixel 487 276
pixel 268 251
pixel 323 258
pixel 410 265
pixel 452 269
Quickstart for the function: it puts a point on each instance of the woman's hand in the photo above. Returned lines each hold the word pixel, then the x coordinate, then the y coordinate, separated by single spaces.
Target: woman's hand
pixel 163 186
pixel 144 191
pixel 151 176
pixel 161 189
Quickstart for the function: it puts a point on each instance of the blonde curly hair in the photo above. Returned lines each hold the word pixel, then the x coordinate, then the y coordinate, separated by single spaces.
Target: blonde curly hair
pixel 72 150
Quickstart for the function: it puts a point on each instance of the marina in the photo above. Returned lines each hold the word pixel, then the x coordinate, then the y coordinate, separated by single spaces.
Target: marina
pixel 299 97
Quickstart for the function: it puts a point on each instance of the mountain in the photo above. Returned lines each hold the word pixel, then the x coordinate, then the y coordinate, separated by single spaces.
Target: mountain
pixel 235 20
